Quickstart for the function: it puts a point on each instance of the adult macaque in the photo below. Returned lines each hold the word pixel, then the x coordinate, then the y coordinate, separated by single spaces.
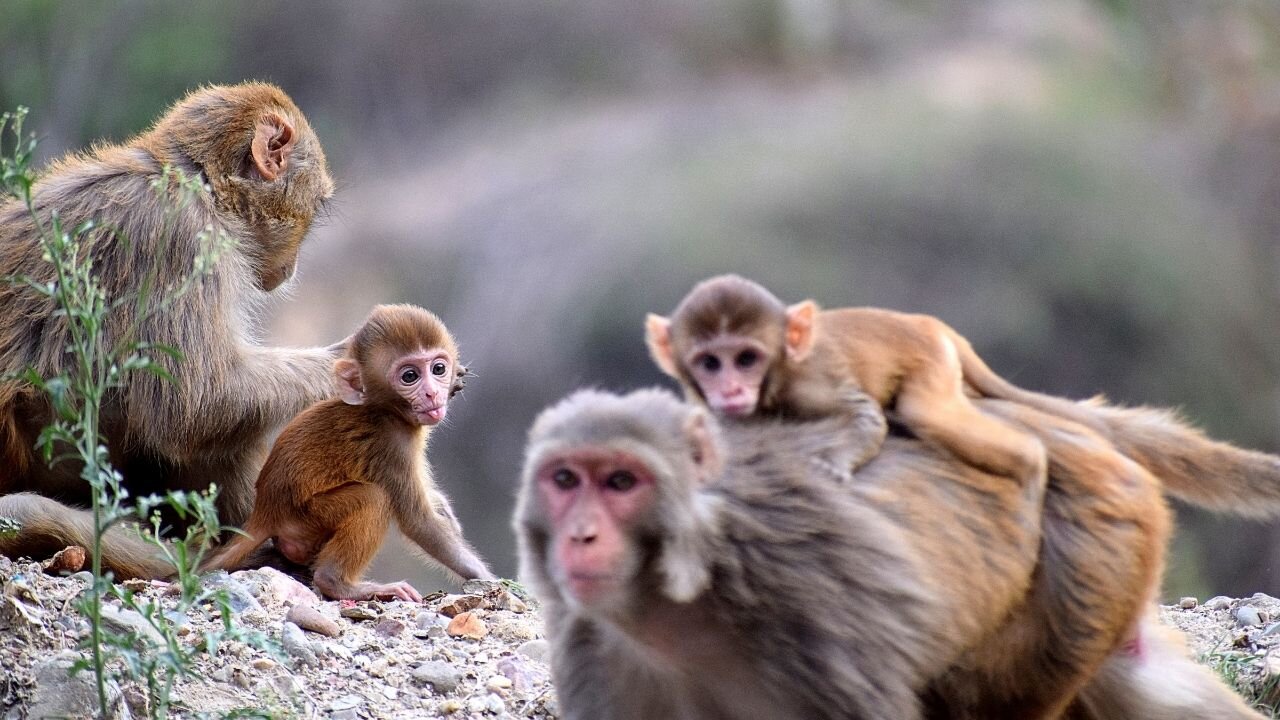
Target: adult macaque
pixel 343 468
pixel 675 576
pixel 265 178
pixel 734 345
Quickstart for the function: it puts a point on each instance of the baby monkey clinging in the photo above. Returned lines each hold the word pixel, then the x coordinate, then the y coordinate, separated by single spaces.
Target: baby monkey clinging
pixel 735 346
pixel 343 468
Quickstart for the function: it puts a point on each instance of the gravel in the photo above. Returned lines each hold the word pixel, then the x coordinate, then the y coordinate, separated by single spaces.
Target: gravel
pixel 366 664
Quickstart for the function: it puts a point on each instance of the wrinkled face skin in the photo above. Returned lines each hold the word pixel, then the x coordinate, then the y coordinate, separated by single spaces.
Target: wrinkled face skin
pixel 596 500
pixel 425 380
pixel 729 370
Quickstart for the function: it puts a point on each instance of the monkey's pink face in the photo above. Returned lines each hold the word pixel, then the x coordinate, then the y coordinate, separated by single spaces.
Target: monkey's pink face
pixel 424 380
pixel 595 498
pixel 729 371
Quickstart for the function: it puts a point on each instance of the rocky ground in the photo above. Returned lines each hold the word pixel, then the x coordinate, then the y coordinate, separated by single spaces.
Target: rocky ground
pixel 476 654
pixel 1240 638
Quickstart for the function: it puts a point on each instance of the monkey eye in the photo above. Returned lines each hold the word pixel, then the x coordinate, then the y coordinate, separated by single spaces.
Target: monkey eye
pixel 710 363
pixel 409 376
pixel 565 479
pixel 439 368
pixel 746 359
pixel 620 481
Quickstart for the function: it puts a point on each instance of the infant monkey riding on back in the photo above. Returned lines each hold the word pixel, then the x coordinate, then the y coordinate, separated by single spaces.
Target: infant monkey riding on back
pixel 736 347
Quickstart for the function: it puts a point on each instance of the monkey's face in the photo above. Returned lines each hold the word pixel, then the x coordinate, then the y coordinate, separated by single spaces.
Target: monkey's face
pixel 424 380
pixel 598 502
pixel 729 371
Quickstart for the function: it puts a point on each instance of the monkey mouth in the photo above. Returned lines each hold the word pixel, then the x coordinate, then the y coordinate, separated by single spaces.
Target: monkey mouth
pixel 430 416
pixel 736 409
pixel 588 587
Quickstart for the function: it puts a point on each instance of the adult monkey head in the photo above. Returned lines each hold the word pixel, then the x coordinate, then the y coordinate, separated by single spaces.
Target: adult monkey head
pixel 263 162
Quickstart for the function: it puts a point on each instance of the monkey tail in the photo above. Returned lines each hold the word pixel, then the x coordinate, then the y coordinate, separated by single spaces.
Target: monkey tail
pixel 232 555
pixel 46 526
pixel 1192 466
pixel 989 384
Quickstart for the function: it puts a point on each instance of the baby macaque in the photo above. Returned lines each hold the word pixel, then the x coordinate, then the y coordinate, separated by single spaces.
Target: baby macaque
pixel 343 468
pixel 736 347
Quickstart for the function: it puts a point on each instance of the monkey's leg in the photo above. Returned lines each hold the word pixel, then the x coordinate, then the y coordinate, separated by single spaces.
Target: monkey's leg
pixel 358 517
pixel 1152 678
pixel 1104 533
pixel 933 404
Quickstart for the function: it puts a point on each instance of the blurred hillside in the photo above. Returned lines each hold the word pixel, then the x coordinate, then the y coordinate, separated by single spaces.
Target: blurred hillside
pixel 1088 189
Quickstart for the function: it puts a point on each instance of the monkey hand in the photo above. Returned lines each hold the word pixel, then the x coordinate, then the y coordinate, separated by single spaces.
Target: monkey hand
pixel 842 473
pixel 388 591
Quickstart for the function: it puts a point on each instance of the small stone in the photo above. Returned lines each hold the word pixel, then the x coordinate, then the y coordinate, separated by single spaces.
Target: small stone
pixel 128 621
pixel 308 617
pixel 274 585
pixel 494 705
pixel 1248 617
pixel 296 644
pixel 1261 597
pixel 1188 603
pixel 390 627
pixel 454 605
pixel 240 679
pixel 346 702
pixel 380 667
pixel 287 685
pixel 441 676
pixel 450 706
pixel 1221 602
pixel 507 601
pixel 467 625
pixel 347 714
pixel 58 694
pixel 481 587
pixel 67 560
pixel 498 683
pixel 523 677
pixel 83 576
pixel 239 596
pixel 336 651
pixel 535 650
pixel 1272 629
pixel 358 612
pixel 477 705
pixel 263 664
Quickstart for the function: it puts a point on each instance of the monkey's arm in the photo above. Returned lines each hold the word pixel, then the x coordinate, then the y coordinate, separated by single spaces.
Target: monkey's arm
pixel 432 526
pixel 837 443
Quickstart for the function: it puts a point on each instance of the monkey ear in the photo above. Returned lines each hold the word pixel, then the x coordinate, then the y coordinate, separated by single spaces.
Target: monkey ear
pixel 704 441
pixel 657 335
pixel 350 387
pixel 800 318
pixel 273 140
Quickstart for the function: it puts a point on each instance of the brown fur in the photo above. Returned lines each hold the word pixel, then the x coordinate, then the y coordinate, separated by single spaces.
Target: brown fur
pixel 767 591
pixel 267 178
pixel 1191 466
pixel 339 472
pixel 915 364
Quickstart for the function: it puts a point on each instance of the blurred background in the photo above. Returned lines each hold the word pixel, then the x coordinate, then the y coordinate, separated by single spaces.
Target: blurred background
pixel 1088 189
